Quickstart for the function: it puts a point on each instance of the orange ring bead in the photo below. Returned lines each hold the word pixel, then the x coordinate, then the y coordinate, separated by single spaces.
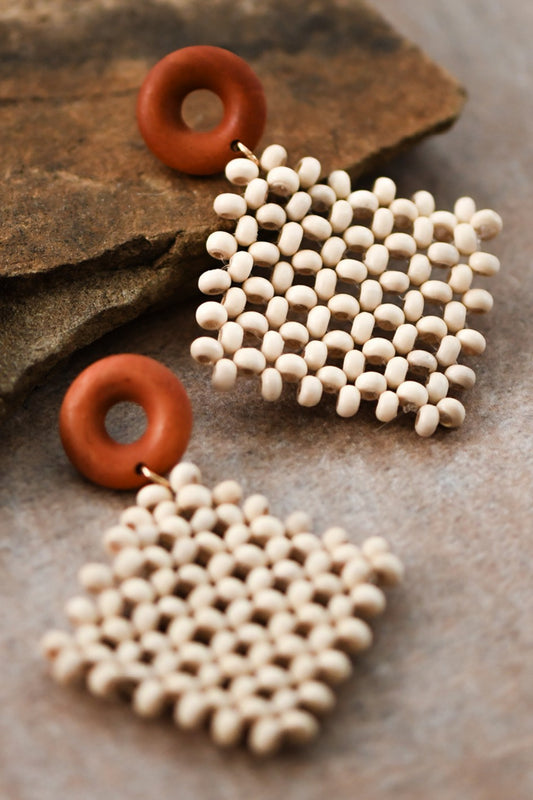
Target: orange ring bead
pixel 167 85
pixel 124 378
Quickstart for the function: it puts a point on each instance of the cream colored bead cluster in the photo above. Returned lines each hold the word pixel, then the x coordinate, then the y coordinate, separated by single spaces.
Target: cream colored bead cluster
pixel 357 293
pixel 221 612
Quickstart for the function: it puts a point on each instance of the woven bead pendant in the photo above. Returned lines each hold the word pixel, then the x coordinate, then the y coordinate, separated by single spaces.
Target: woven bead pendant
pixel 217 610
pixel 356 293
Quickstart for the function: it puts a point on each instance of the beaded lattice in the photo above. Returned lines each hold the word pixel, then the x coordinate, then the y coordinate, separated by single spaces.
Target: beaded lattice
pixel 216 609
pixel 356 293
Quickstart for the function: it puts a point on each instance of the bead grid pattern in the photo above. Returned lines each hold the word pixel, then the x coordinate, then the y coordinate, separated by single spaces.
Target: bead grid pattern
pixel 222 612
pixel 358 293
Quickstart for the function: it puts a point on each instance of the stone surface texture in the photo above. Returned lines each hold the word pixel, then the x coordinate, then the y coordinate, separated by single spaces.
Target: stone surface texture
pixel 440 707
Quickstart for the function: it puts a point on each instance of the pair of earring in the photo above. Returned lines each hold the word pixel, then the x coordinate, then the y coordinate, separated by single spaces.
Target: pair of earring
pixel 211 605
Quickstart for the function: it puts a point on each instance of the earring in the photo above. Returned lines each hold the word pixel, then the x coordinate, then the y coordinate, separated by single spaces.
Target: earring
pixel 209 605
pixel 340 290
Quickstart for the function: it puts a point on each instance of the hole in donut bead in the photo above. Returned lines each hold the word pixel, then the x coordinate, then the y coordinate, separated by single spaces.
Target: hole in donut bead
pixel 202 110
pixel 125 422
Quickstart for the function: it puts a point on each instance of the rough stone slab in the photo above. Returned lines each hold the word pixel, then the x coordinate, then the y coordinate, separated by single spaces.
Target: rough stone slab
pixel 82 196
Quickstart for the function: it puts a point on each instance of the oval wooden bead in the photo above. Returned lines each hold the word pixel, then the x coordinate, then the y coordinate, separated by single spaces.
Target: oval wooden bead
pixel 464 209
pixel 388 316
pixel 332 378
pixel 370 295
pixel 348 401
pixel 340 215
pixel 443 254
pixel 234 301
pixel 387 406
pixel 240 266
pixel 325 283
pixel 275 155
pixel 221 245
pixel 277 311
pixel 308 169
pixel 460 279
pixel 376 259
pixel 425 202
pixel 472 342
pixel 206 350
pixel 224 375
pixel 298 206
pixel 310 391
pixel 340 182
pixel 272 345
pixel 318 320
pixel 316 228
pixel 394 281
pixel 332 251
pixel 451 412
pixel 400 245
pixel 448 350
pixel 419 269
pixel 240 171
pixel 301 298
pixel 371 385
pixel 338 343
pixel 487 223
pixel 183 474
pixel 412 395
pixel 427 420
pixel 214 281
pixel 322 197
pixel 306 262
pixel 465 238
pixel 484 263
pixel 404 338
pixel 253 322
pixel 264 254
pixel 283 181
pixel 282 277
pixel 478 300
pixel 413 305
pixel 353 364
pixel 444 223
pixel 343 307
pixel 431 329
pixel 364 204
pixel 294 334
pixel 258 290
pixel 249 361
pixel 460 375
pixel 291 367
pixel 256 192
pixel 378 351
pixel 211 315
pixel 363 326
pixel 385 190
pixel 436 291
pixel 229 205
pixel 271 216
pixel 421 362
pixel 395 371
pixel 454 316
pixel 290 238
pixel 405 212
pixel 230 336
pixel 423 232
pixel 437 386
pixel 351 271
pixel 358 238
pixel 382 223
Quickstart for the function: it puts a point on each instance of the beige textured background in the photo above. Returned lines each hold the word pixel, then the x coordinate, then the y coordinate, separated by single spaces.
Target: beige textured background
pixel 441 706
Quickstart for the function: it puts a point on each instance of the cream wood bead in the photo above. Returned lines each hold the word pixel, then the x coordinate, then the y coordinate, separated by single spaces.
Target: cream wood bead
pixel 318 320
pixel 376 259
pixel 322 197
pixel 193 496
pixel 298 522
pixel 451 412
pixel 294 334
pixel 423 232
pixel 427 420
pixel 425 202
pixel 334 665
pixel 461 376
pixel 400 245
pixel 226 727
pixel 291 367
pixel 183 474
pixel 478 300
pixel 240 171
pixel 224 375
pixel 228 515
pixel 385 190
pixel 134 517
pixel 137 590
pixel 484 263
pixel 353 364
pixel 316 228
pixel 271 216
pixel 272 156
pixel 413 305
pixel 472 342
pixel 298 206
pixel 152 494
pixel 206 350
pixel 394 281
pixel 444 223
pixel 265 736
pixel 461 277
pixel 103 679
pixel 211 315
pixel 256 193
pixel 419 269
pixel 443 254
pixel 388 316
pixel 371 385
pixel 421 362
pixel 316 696
pixel 412 395
pixel 229 205
pixel 290 238
pixel 325 283
pixel 276 311
pixel 81 611
pixel 341 183
pixel 53 642
pixel 246 230
pixel 272 346
pixel 253 322
pixel 283 181
pixel 487 223
pixel 308 169
pixel 309 392
pixel 191 710
pixel 230 336
pixel 221 245
pixel 454 316
pixel 405 212
pixel 351 271
pixel 338 343
pixel 117 537
pixel 258 290
pixel 387 406
pixel 437 386
pixel 214 281
pixel 358 238
pixel 382 223
pixel 436 292
pixel 395 371
pixel 332 251
pixel 431 329
pixel 464 209
pixel 331 378
pixel 249 361
pixel 234 301
pixel 316 354
pixel 448 350
pixel 301 298
pixel 364 204
pixel 202 521
pixel 343 307
pixel 306 262
pixel 340 215
pixel 363 326
pixel 282 277
pixel 264 254
pixel 348 401
pixel 378 351
pixel 240 266
pixel 370 295
pixel 465 238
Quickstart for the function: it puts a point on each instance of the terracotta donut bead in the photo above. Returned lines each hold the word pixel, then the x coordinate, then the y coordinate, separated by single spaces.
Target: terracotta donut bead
pixel 167 85
pixel 124 378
